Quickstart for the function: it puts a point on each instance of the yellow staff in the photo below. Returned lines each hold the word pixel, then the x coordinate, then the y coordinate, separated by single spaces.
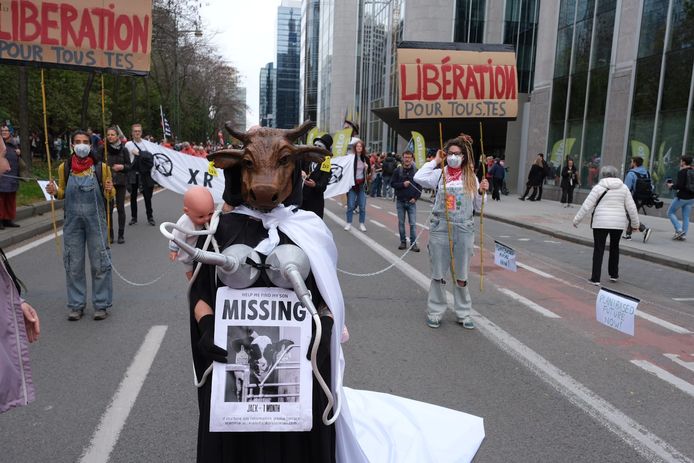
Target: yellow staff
pixel 445 208
pixel 48 159
pixel 105 160
pixel 483 161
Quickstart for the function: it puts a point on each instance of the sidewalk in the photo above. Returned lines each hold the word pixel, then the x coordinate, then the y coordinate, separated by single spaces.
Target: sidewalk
pixel 551 218
pixel 33 221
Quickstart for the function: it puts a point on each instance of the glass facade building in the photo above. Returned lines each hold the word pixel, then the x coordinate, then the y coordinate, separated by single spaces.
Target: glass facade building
pixel 520 30
pixel 580 85
pixel 287 82
pixel 661 129
pixel 267 104
pixel 310 33
pixel 469 21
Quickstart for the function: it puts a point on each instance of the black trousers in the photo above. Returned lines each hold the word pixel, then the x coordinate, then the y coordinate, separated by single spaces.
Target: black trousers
pixel 567 194
pixel 527 190
pixel 147 194
pixel 599 240
pixel 119 205
pixel 496 188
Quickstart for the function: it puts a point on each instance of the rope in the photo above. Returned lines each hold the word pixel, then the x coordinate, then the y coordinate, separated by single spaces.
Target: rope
pixel 103 137
pixel 484 175
pixel 445 208
pixel 48 159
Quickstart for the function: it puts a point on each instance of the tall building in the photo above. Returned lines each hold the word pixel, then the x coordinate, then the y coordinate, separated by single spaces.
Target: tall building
pixel 241 98
pixel 287 82
pixel 267 105
pixel 310 37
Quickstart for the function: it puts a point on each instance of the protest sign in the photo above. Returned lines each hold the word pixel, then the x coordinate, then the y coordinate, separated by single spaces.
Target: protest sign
pixel 267 384
pixel 616 310
pixel 505 256
pixel 451 83
pixel 80 33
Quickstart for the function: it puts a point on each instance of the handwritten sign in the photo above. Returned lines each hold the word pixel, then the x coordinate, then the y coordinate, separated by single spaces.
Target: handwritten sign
pixel 616 310
pixel 436 83
pixel 504 256
pixel 80 33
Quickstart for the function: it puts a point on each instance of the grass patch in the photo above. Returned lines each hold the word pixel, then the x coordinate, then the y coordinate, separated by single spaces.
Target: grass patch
pixel 29 191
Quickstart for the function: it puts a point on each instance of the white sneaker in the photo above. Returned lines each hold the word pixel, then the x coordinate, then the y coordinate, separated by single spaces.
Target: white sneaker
pixel 362 227
pixel 348 227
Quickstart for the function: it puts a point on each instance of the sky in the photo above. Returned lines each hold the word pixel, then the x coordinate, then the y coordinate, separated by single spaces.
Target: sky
pixel 245 35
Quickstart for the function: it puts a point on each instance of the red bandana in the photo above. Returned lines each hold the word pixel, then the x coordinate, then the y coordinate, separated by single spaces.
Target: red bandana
pixel 79 164
pixel 453 174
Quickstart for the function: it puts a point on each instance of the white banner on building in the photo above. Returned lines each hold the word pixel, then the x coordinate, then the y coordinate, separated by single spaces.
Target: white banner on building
pixel 267 384
pixel 342 176
pixel 177 171
pixel 616 310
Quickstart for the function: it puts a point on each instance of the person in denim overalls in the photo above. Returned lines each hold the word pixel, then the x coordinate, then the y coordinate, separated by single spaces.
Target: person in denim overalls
pixel 85 223
pixel 461 196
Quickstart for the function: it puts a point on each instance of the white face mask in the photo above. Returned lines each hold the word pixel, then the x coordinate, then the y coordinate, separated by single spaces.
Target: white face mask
pixel 454 160
pixel 82 150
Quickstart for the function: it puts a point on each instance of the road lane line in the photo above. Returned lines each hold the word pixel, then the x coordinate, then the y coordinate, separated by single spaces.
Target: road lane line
pixel 112 422
pixel 676 358
pixel 528 303
pixel 634 434
pixel 523 239
pixel 683 299
pixel 375 206
pixel 422 225
pixel 535 271
pixel 551 242
pixel 378 224
pixel 666 376
pixel 392 213
pixel 664 324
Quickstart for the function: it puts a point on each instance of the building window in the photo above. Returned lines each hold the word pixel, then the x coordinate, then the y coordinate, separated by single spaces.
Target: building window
pixel 660 130
pixel 469 21
pixel 520 30
pixel 579 90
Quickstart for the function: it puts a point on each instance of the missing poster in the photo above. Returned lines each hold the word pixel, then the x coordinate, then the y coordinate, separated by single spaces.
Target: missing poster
pixel 267 384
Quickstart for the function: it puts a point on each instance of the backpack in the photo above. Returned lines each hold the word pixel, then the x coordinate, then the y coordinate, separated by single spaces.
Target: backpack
pixel 643 189
pixel 689 184
pixel 389 165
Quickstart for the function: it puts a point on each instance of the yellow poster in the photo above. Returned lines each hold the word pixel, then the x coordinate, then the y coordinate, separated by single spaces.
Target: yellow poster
pixel 341 141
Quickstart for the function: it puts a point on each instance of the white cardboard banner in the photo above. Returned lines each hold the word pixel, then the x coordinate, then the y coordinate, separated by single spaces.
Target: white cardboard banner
pixel 616 310
pixel 342 176
pixel 504 256
pixel 267 384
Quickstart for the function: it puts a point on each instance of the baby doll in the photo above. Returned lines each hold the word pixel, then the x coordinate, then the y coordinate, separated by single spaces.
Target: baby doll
pixel 198 208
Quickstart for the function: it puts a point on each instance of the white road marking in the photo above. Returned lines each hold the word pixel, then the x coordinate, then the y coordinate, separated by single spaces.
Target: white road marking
pixel 634 434
pixel 392 213
pixel 534 270
pixel 664 324
pixel 552 242
pixel 111 424
pixel 504 236
pixel 683 299
pixel 375 206
pixel 423 226
pixel 665 375
pixel 378 224
pixel 676 358
pixel 528 303
pixel 523 239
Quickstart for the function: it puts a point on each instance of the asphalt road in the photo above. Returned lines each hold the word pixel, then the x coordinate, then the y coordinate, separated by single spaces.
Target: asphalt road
pixel 551 386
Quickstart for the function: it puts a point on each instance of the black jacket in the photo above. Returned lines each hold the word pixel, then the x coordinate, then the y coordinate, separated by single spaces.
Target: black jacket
pixel 536 175
pixel 400 176
pixel 681 185
pixel 567 175
pixel 117 156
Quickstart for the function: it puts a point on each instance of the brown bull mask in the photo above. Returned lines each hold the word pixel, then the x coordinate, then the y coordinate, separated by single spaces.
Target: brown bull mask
pixel 267 160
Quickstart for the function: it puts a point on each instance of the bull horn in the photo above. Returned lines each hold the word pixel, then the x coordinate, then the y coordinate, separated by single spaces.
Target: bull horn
pixel 225 158
pixel 241 136
pixel 296 132
pixel 311 153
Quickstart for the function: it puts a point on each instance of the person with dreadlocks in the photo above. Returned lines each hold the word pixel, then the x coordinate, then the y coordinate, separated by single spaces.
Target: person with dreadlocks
pixel 452 227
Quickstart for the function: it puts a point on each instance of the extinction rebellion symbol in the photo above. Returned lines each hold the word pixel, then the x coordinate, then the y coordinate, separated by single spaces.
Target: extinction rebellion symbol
pixel 163 164
pixel 335 174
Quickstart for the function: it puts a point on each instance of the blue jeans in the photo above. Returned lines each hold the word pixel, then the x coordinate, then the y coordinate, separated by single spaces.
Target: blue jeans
pixel 387 189
pixel 354 198
pixel 406 207
pixel 376 186
pixel 85 223
pixel 686 206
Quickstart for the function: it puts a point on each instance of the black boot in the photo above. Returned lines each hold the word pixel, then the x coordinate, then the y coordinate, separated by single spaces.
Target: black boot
pixel 9 223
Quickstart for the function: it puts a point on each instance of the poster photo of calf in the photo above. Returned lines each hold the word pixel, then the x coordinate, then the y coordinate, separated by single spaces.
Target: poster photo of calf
pixel 265 364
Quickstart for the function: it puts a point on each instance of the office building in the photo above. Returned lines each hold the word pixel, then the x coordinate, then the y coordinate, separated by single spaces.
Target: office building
pixel 287 74
pixel 267 104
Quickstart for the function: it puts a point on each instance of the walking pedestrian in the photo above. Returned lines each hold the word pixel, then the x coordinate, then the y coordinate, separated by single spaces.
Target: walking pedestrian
pixel 357 194
pixel 638 181
pixel 388 167
pixel 497 174
pixel 607 203
pixel 452 227
pixel 9 183
pixel 118 160
pixel 407 192
pixel 684 200
pixel 569 180
pixel 140 176
pixel 85 184
pixel 377 169
pixel 535 178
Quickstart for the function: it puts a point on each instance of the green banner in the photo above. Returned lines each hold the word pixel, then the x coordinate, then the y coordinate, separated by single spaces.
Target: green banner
pixel 640 149
pixel 341 141
pixel 420 148
pixel 560 150
pixel 312 135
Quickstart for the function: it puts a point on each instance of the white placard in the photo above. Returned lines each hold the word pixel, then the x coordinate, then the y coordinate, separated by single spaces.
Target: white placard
pixel 504 256
pixel 43 184
pixel 616 310
pixel 267 384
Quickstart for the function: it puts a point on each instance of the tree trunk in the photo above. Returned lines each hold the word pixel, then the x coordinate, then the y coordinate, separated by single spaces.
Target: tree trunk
pixel 85 100
pixel 133 91
pixel 24 131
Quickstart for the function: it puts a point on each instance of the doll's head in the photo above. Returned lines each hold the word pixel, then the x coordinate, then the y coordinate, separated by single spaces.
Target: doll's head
pixel 198 205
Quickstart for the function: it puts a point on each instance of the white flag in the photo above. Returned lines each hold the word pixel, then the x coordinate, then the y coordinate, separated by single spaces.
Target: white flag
pixel 342 176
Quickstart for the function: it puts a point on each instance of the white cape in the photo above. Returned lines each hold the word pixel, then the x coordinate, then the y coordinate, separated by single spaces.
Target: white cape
pixel 372 427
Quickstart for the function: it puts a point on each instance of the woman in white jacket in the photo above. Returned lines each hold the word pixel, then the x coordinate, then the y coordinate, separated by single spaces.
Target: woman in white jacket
pixel 612 208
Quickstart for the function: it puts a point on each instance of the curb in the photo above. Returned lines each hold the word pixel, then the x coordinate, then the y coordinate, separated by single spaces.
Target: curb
pixel 29 231
pixel 25 212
